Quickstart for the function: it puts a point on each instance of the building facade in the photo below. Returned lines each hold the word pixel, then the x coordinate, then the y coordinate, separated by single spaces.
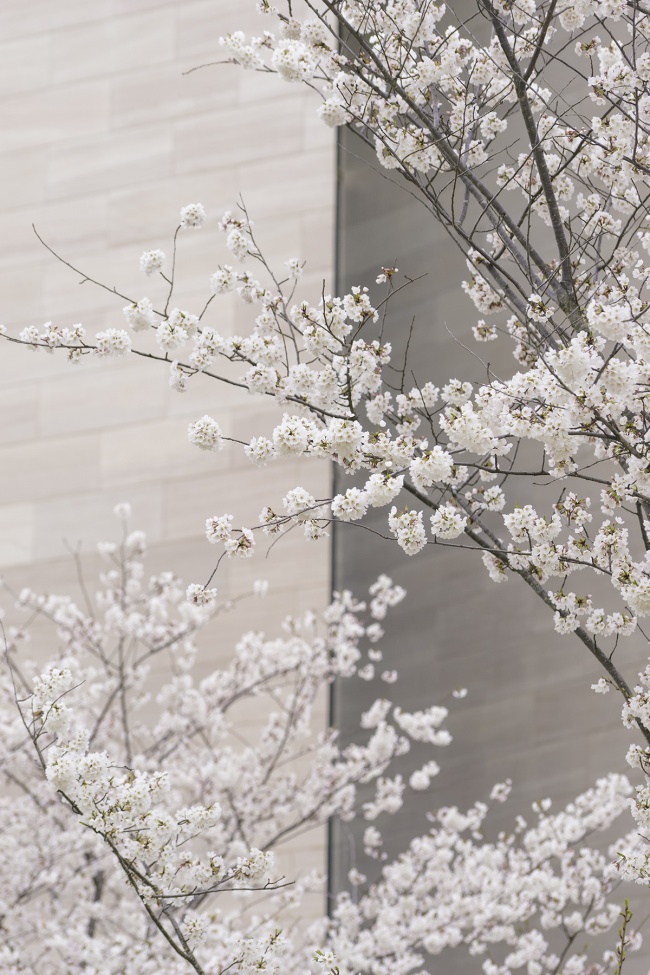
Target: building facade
pixel 105 137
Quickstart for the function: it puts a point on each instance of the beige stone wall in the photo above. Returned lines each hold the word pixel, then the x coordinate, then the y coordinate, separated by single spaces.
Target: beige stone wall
pixel 103 140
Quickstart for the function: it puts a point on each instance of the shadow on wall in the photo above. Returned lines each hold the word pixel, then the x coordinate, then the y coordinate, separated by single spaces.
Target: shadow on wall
pixel 530 714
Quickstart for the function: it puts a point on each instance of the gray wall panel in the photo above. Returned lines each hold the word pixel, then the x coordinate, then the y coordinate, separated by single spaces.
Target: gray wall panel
pixel 530 714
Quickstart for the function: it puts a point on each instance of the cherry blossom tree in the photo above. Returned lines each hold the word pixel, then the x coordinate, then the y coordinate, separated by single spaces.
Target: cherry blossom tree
pixel 142 831
pixel 523 128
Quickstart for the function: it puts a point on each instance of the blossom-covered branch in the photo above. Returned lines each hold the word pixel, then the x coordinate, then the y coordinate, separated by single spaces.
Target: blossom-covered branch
pixel 136 825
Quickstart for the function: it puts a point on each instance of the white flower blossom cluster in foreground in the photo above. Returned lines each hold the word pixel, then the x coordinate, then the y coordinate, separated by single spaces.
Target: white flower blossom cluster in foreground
pixel 136 823
pixel 448 450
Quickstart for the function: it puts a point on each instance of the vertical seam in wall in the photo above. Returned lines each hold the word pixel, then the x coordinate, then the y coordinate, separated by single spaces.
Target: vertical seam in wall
pixel 333 580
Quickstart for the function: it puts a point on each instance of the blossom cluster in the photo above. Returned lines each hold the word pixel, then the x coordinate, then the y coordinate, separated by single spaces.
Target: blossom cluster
pixel 448 450
pixel 434 101
pixel 166 798
pixel 144 808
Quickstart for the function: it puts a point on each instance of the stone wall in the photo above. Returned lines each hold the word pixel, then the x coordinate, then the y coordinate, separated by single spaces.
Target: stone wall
pixel 530 714
pixel 104 139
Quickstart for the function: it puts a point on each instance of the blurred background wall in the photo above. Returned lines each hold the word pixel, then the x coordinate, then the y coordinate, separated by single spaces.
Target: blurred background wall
pixel 104 138
pixel 530 714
